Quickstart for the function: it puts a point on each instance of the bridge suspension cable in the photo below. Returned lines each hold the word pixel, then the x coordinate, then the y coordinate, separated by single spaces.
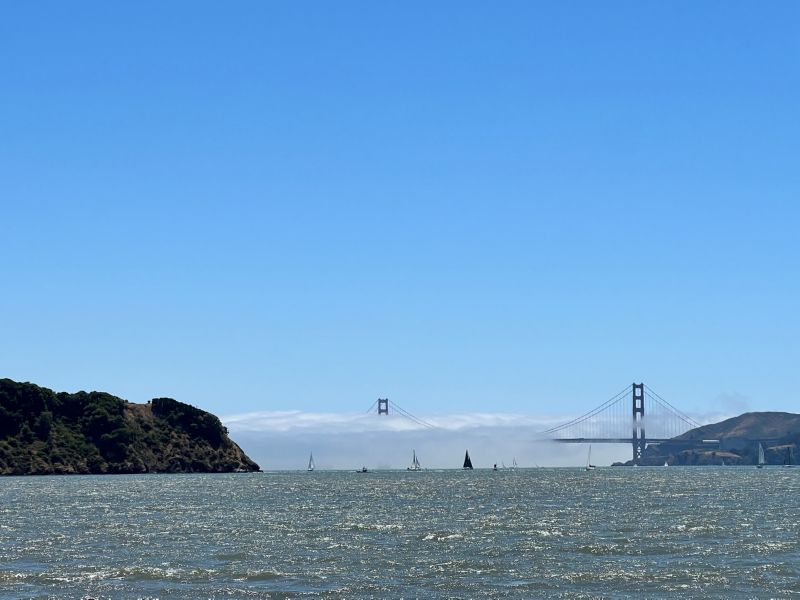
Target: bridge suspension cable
pixel 637 415
pixel 411 417
pixel 594 412
pixel 404 413
pixel 684 417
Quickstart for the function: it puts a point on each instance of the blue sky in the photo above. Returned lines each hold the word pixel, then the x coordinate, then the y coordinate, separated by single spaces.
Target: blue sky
pixel 461 206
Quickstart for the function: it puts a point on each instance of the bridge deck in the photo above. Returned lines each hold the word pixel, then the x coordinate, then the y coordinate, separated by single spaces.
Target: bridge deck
pixel 607 440
pixel 628 441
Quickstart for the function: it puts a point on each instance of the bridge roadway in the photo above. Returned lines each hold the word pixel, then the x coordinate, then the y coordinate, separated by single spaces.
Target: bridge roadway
pixel 626 440
pixel 646 441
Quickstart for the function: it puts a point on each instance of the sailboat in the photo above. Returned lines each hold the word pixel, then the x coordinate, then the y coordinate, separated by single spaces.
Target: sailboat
pixel 761 460
pixel 415 466
pixel 467 462
pixel 666 464
pixel 788 460
pixel 311 462
pixel 589 465
pixel 514 464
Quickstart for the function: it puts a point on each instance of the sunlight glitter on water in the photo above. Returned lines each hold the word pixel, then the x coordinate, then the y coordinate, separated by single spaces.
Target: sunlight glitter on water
pixel 622 533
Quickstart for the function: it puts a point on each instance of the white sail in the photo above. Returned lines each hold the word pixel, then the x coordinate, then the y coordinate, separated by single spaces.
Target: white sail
pixel 514 463
pixel 761 460
pixel 589 465
pixel 311 462
pixel 415 466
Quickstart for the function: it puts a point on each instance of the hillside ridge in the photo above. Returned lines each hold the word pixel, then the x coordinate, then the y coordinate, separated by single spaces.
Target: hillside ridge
pixel 43 432
pixel 733 441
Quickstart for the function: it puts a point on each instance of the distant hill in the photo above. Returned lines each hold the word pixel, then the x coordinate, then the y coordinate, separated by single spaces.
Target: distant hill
pixel 732 442
pixel 752 425
pixel 43 432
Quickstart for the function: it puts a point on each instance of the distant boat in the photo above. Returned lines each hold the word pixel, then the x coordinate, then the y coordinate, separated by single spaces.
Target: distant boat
pixel 362 470
pixel 415 466
pixel 761 460
pixel 495 467
pixel 788 460
pixel 723 462
pixel 514 464
pixel 666 464
pixel 589 465
pixel 311 462
pixel 467 462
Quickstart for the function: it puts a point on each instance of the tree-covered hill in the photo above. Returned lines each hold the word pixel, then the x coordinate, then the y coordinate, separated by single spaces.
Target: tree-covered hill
pixel 44 432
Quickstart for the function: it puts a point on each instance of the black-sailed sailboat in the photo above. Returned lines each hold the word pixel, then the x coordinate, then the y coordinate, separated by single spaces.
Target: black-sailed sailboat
pixel 467 462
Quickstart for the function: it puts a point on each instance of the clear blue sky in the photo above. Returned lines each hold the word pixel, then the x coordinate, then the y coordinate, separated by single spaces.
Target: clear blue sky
pixel 463 206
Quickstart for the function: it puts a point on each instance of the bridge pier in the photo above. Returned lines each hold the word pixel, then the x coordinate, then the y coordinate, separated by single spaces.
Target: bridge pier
pixel 638 438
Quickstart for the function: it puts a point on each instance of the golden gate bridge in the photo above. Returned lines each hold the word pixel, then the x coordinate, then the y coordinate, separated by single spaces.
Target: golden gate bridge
pixel 637 415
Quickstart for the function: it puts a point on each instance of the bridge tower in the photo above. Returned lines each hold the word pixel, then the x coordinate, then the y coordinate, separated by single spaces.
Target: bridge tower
pixel 383 406
pixel 638 439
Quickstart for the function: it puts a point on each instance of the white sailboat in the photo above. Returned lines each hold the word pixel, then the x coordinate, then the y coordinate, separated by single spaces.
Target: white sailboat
pixel 761 460
pixel 311 462
pixel 514 463
pixel 589 465
pixel 666 464
pixel 415 466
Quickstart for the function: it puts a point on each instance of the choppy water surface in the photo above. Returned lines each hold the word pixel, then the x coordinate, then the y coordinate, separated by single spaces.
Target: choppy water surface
pixel 691 532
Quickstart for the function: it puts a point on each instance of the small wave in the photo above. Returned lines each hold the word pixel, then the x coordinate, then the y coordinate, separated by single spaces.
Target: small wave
pixel 231 556
pixel 374 526
pixel 260 576
pixel 442 537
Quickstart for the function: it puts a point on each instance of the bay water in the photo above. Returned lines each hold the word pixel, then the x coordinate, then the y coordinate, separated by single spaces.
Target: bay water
pixel 694 532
